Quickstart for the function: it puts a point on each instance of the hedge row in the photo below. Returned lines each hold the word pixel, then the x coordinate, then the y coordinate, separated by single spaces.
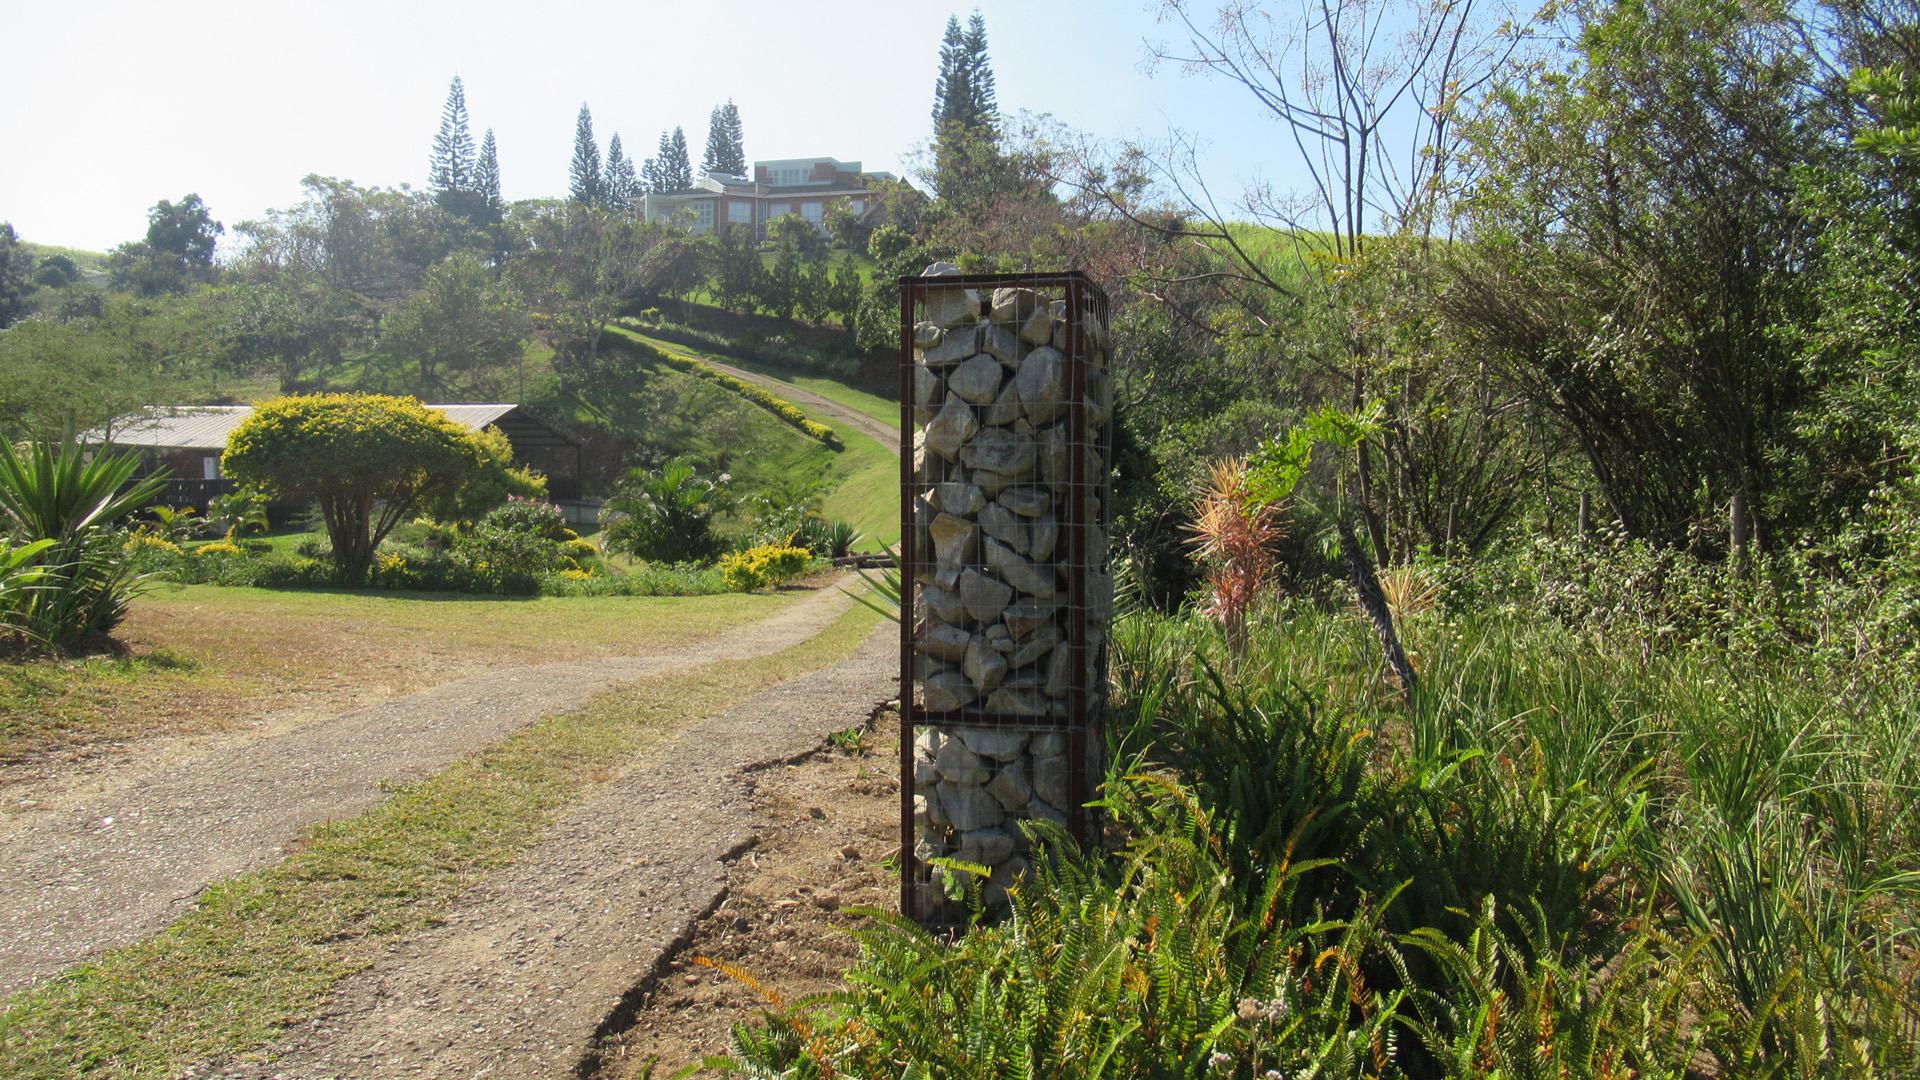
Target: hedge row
pixel 779 350
pixel 759 395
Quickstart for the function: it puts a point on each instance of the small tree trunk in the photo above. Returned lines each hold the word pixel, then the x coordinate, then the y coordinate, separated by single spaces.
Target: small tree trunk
pixel 1374 602
pixel 1737 527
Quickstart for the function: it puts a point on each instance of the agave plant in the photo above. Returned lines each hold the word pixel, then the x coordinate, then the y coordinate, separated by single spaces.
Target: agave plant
pixel 57 494
pixel 20 578
pixel 884 589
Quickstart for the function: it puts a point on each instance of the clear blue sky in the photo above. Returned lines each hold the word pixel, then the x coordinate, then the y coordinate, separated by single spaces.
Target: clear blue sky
pixel 114 105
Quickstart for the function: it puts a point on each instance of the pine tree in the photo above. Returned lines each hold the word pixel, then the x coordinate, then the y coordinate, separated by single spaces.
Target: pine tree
pixel 650 176
pixel 736 140
pixel 983 106
pixel 662 179
pixel 621 185
pixel 672 171
pixel 585 185
pixel 966 113
pixel 950 92
pixel 678 167
pixel 451 167
pixel 716 143
pixel 725 150
pixel 486 174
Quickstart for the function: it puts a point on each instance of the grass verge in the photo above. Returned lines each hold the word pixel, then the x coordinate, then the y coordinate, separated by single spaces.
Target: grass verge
pixel 202 656
pixel 262 950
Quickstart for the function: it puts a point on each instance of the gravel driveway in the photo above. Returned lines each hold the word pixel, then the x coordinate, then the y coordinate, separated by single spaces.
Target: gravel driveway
pixel 115 867
pixel 533 963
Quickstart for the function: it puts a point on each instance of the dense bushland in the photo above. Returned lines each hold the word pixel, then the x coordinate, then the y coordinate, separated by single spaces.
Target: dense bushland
pixel 1588 849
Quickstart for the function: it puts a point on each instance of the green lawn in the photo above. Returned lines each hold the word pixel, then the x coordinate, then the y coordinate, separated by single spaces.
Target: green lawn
pixel 260 951
pixel 883 409
pixel 89 262
pixel 202 657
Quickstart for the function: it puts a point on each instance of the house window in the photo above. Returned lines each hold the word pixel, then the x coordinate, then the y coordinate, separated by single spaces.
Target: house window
pixel 810 211
pixel 210 468
pixel 740 213
pixel 858 206
pixel 778 210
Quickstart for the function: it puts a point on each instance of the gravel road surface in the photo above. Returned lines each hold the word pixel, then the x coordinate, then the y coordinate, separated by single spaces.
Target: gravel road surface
pixel 114 867
pixel 538 960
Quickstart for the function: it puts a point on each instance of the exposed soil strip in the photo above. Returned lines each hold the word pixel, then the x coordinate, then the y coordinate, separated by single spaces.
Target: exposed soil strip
pixel 832 823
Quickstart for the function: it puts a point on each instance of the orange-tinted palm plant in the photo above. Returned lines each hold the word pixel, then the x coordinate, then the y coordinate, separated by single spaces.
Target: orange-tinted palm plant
pixel 1233 535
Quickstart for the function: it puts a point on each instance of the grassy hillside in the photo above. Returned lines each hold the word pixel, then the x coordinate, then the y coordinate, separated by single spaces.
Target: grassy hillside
pixel 648 410
pixel 91 263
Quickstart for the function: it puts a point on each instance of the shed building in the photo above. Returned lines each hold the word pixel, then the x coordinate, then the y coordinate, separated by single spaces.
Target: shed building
pixel 189 439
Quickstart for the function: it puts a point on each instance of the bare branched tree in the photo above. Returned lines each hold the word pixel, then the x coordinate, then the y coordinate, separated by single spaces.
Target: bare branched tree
pixel 1364 95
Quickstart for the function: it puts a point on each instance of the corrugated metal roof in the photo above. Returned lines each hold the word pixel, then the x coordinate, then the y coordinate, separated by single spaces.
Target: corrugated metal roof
pixel 206 427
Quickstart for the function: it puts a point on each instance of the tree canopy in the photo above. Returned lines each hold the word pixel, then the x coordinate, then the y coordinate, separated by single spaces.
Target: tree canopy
pixel 16 280
pixel 366 460
pixel 176 254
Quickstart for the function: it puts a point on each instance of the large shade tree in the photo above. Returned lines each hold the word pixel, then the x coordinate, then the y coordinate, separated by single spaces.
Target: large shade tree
pixel 176 254
pixel 367 460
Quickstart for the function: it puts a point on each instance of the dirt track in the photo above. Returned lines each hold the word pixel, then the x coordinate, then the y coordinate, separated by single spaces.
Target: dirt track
pixel 113 867
pixel 535 966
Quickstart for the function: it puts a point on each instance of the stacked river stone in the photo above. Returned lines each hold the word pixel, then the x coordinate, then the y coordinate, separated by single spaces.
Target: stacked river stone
pixel 995 581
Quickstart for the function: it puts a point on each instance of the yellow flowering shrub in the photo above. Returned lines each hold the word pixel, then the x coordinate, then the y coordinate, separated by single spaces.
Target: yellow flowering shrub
pixel 768 564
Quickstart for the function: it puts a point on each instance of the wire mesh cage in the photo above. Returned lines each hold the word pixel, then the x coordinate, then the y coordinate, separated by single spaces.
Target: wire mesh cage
pixel 1007 593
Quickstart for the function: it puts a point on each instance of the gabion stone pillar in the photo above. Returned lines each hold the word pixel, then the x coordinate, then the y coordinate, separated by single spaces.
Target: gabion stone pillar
pixel 1005 490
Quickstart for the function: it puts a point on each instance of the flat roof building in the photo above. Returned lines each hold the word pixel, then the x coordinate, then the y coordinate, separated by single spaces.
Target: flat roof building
pixel 809 187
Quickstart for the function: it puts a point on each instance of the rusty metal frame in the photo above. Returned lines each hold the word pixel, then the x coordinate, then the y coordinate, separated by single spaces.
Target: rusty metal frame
pixel 1084 299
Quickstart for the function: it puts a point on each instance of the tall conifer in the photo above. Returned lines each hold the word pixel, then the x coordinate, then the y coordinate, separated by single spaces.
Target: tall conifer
pixel 662 179
pixel 983 106
pixel 486 174
pixel 678 166
pixel 584 181
pixel 726 152
pixel 451 168
pixel 966 112
pixel 672 171
pixel 950 93
pixel 621 185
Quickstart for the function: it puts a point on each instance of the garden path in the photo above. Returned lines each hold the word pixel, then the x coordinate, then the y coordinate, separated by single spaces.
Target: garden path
pixel 538 962
pixel 115 866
